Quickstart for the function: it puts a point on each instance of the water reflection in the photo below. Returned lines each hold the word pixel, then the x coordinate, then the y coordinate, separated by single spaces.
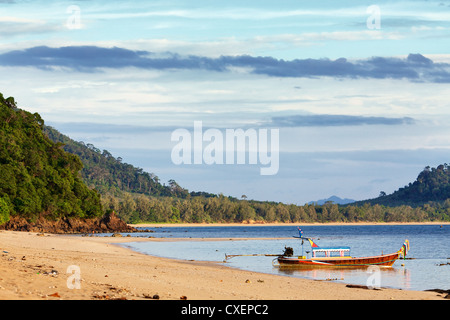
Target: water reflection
pixel 370 276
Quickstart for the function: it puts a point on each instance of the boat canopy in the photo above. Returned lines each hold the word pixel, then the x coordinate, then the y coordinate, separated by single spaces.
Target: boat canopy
pixel 331 249
pixel 343 251
pixel 328 251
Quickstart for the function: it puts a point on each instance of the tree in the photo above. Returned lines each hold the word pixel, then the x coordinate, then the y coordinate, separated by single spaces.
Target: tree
pixel 245 212
pixel 4 211
pixel 175 217
pixel 37 177
pixel 282 213
pixel 312 213
pixel 334 214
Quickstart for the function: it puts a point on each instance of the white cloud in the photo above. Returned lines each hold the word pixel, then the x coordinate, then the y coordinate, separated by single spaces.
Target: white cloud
pixel 12 26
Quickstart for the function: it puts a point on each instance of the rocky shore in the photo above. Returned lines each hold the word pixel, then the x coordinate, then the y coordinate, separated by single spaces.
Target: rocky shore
pixel 108 223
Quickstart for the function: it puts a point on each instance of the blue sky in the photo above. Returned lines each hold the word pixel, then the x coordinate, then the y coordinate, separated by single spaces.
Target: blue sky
pixel 358 89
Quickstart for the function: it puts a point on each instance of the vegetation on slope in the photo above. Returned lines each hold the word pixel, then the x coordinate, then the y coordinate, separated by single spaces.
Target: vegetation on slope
pixel 37 177
pixel 431 185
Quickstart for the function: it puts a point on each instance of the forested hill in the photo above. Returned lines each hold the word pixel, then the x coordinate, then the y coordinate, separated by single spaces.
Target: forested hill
pixel 44 174
pixel 432 185
pixel 110 175
pixel 37 177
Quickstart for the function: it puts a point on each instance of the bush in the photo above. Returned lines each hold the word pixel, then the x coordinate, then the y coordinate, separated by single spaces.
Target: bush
pixel 4 211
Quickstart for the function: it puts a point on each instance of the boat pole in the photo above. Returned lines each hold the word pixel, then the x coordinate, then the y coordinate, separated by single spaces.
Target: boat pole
pixel 302 249
pixel 229 256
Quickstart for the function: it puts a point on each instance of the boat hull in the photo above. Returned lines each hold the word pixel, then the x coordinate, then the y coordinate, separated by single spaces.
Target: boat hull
pixel 386 260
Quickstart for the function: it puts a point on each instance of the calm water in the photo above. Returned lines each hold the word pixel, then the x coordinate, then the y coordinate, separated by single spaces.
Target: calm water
pixel 429 268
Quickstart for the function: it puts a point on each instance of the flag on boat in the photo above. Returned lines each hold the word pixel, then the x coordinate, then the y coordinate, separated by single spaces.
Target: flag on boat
pixel 404 249
pixel 313 245
pixel 406 246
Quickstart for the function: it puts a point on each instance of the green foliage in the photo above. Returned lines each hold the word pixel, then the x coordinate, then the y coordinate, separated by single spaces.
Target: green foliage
pixel 432 184
pixel 36 175
pixel 4 211
pixel 134 208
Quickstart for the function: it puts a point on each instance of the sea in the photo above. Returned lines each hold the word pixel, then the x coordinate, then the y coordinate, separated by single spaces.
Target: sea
pixel 426 267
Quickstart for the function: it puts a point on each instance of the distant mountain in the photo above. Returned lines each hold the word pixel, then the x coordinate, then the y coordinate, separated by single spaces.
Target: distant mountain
pixel 333 199
pixel 431 185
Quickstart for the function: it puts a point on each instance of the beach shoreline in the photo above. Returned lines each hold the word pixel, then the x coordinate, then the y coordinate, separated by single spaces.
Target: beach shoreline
pixel 37 266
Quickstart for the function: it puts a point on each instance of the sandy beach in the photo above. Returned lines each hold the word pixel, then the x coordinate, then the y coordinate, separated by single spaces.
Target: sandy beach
pixel 43 267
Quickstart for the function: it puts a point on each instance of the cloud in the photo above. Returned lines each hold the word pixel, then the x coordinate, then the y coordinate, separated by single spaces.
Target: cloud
pixel 90 127
pixel 81 58
pixel 329 120
pixel 415 67
pixel 10 26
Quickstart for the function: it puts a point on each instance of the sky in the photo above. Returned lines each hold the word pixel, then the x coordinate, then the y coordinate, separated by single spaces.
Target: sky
pixel 358 91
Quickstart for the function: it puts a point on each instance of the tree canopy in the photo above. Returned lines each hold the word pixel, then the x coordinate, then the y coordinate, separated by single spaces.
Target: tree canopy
pixel 432 184
pixel 37 177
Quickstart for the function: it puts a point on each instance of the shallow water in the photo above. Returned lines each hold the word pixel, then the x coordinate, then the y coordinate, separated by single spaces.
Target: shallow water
pixel 427 266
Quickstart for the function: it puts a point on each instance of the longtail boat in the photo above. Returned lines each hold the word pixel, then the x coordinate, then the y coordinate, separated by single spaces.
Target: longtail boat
pixel 337 257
